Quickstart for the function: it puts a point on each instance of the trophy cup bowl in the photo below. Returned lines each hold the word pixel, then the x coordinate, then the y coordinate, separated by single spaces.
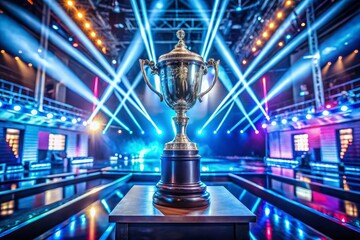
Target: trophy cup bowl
pixel 181 73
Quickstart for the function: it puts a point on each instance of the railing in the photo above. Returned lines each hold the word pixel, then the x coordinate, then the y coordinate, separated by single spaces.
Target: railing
pixel 15 93
pixel 331 96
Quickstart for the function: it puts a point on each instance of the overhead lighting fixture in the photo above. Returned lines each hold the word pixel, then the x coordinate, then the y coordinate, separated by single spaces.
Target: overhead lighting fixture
pixel 265 34
pixel 63 118
pixel 2 51
pixel 55 27
pixel 80 15
pixel 244 61
pixel 30 64
pixel 116 7
pixel 34 112
pixel 17 58
pixel 93 34
pixel 356 51
pixel 258 42
pixel 99 42
pixel 17 108
pixel 253 49
pixel 279 15
pixel 271 25
pixel 49 115
pixel 87 25
pixel 70 3
pixel 281 44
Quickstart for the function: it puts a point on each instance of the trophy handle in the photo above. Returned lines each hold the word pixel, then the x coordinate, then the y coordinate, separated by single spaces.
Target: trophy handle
pixel 154 71
pixel 215 64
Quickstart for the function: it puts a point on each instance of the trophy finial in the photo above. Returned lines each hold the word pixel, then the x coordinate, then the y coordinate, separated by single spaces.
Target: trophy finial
pixel 180 35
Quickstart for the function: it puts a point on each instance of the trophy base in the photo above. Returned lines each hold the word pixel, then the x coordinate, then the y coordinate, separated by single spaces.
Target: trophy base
pixel 180 185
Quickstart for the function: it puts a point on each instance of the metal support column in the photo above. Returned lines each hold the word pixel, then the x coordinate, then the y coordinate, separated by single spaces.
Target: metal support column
pixel 314 51
pixel 41 71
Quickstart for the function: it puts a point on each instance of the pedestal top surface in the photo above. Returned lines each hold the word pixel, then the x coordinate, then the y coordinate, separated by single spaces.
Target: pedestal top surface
pixel 137 207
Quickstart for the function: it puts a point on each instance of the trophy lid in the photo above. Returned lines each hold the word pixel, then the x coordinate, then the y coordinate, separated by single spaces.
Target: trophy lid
pixel 180 52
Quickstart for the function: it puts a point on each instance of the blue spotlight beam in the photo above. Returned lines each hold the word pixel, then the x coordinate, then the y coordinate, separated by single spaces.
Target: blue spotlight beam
pixel 148 30
pixel 129 113
pixel 131 55
pixel 30 21
pixel 228 85
pixel 258 117
pixel 141 27
pixel 317 24
pixel 225 116
pixel 222 48
pixel 215 30
pixel 123 101
pixel 210 28
pixel 57 9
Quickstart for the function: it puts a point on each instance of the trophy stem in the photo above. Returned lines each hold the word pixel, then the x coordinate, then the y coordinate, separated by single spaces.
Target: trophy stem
pixel 180 184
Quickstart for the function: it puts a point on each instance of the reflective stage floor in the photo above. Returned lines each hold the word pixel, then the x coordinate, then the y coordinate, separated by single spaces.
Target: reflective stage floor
pixel 75 202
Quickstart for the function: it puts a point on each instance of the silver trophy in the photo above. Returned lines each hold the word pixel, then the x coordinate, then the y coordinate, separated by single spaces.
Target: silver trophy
pixel 181 72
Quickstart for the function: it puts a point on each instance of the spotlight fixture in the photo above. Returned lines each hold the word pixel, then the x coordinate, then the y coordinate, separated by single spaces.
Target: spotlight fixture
pixel 17 58
pixel 264 125
pixel 281 44
pixel 228 131
pixel 17 108
pixel 256 131
pixel 30 64
pixel 63 118
pixel 142 132
pixel 75 44
pixel 99 42
pixel 294 119
pixel 113 61
pixel 325 113
pixel 356 51
pixel 271 25
pixel 80 15
pixel 49 115
pixel 70 39
pixel 159 131
pixel 308 116
pixel 303 24
pixel 119 131
pixel 253 49
pixel 2 51
pixel 39 50
pixel 344 108
pixel 215 132
pixel 241 131
pixel 74 121
pixel 93 34
pixel 70 3
pixel 288 36
pixel 34 112
pixel 288 3
pixel 94 125
pixel 87 25
pixel 159 5
pixel 55 27
pixel 244 61
pixel 258 42
pixel 199 132
pixel 84 123
pixel 329 63
pixel 279 15
pixel 340 58
pixel 273 123
pixel 284 121
pixel 265 34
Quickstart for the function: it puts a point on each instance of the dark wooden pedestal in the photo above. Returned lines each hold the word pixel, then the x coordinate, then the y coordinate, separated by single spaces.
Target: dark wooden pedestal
pixel 137 218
